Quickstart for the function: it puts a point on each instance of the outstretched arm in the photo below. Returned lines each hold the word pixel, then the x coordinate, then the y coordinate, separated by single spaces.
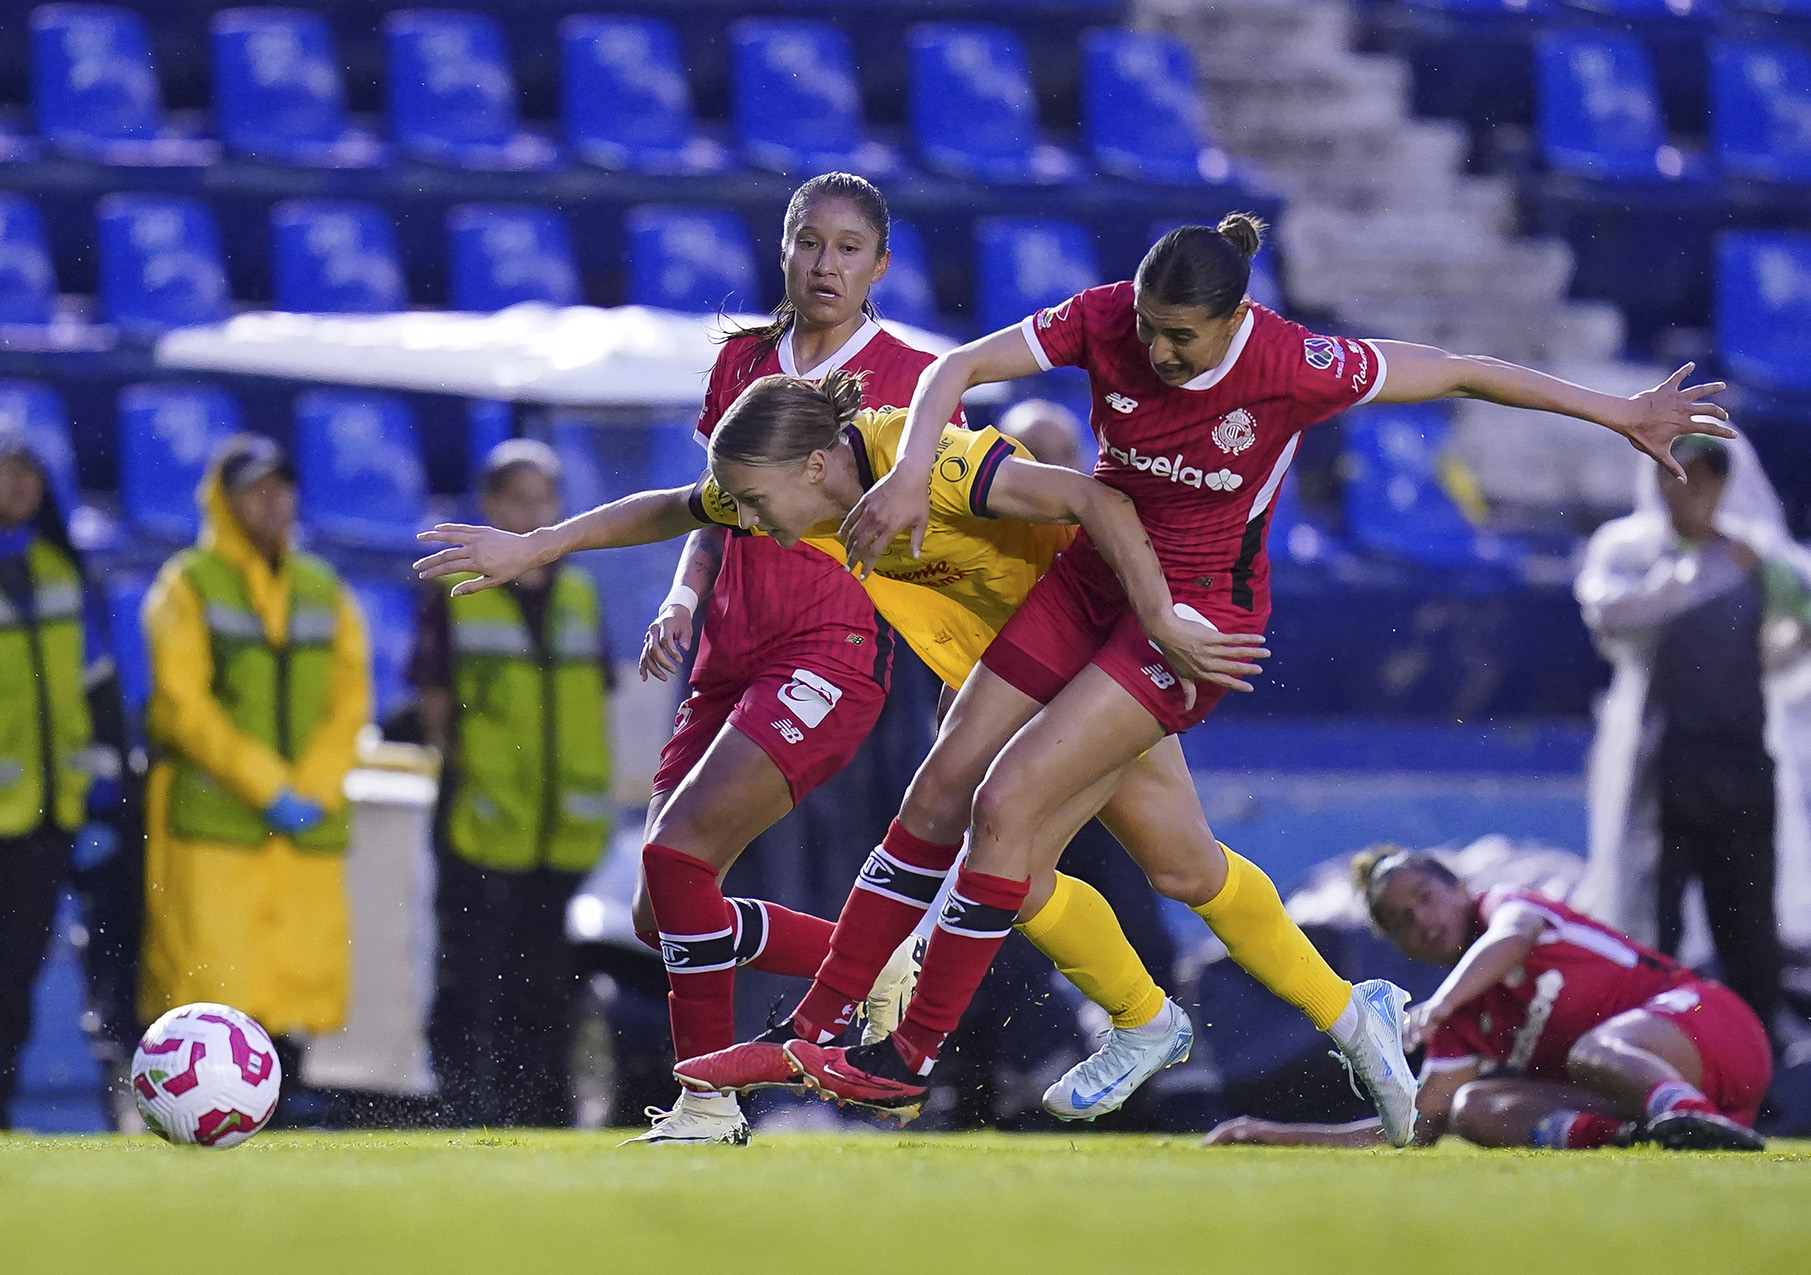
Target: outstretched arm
pixel 497 556
pixel 1031 492
pixel 1650 420
pixel 1512 935
pixel 900 500
pixel 1433 1108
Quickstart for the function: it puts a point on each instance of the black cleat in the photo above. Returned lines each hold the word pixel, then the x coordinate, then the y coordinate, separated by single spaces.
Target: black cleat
pixel 1702 1131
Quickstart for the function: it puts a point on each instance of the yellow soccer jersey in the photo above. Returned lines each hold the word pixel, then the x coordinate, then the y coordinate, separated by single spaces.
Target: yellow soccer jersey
pixel 975 569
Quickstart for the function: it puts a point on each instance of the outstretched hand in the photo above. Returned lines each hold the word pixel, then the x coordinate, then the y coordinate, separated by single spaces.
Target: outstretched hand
pixel 492 555
pixel 1658 416
pixel 888 508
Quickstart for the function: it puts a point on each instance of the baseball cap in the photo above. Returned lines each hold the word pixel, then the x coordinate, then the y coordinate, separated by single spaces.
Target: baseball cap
pixel 249 457
pixel 1705 447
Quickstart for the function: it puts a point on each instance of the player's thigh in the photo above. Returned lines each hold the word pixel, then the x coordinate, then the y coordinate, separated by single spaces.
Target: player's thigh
pixel 986 713
pixel 1155 813
pixel 1087 733
pixel 734 793
pixel 1647 1032
pixel 1504 1113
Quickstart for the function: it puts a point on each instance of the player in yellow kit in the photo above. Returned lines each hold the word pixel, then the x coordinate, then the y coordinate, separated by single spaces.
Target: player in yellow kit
pixel 790 459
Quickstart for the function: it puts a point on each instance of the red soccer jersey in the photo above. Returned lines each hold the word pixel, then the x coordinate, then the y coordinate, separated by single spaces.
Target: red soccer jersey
pixel 1579 974
pixel 1203 460
pixel 766 594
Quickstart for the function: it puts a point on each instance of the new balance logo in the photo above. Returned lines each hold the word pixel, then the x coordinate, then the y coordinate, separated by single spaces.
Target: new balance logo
pixel 789 730
pixel 1160 676
pixel 1121 404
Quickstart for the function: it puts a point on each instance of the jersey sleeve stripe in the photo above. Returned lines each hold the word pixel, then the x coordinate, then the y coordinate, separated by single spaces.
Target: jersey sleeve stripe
pixel 1383 371
pixel 1028 325
pixel 695 503
pixel 984 476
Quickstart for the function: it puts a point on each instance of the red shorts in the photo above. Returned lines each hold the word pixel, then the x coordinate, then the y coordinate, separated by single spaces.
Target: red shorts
pixel 1078 615
pixel 1731 1044
pixel 808 710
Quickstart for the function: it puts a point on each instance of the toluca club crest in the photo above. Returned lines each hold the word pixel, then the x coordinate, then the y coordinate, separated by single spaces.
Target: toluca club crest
pixel 1236 431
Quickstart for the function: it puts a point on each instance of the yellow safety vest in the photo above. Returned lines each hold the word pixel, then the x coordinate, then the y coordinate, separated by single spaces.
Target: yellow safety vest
pixel 44 723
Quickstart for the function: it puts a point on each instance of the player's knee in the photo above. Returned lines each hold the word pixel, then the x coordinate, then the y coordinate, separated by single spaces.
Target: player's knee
pixel 1008 796
pixel 1591 1057
pixel 641 912
pixel 1473 1115
pixel 938 800
pixel 1188 885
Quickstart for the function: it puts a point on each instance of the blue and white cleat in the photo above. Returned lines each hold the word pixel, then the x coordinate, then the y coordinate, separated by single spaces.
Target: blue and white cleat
pixel 1375 1060
pixel 1102 1082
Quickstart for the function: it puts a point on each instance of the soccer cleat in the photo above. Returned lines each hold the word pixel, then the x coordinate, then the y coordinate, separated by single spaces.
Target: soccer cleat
pixel 1102 1082
pixel 1374 1058
pixel 832 1075
pixel 754 1064
pixel 1693 1130
pixel 886 1005
pixel 696 1120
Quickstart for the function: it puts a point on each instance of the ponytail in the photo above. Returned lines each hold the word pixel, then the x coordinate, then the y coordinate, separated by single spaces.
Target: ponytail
pixel 1202 266
pixel 780 420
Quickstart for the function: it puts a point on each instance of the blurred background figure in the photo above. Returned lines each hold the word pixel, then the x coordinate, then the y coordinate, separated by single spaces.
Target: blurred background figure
pixel 260 684
pixel 514 688
pixel 1701 600
pixel 1051 431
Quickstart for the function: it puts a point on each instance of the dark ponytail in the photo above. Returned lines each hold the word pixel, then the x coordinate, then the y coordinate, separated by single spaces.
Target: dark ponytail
pixel 1202 266
pixel 868 201
pixel 780 420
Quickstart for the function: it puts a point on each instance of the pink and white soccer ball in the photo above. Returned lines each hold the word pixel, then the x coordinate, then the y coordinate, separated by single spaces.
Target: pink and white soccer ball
pixel 206 1075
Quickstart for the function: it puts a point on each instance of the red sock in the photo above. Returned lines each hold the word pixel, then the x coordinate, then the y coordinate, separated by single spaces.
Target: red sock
pixel 698 947
pixel 1674 1095
pixel 896 887
pixel 779 940
pixel 974 923
pixel 1589 1130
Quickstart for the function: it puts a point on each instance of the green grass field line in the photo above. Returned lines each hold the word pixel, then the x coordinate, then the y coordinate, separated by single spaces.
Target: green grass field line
pixel 886 1202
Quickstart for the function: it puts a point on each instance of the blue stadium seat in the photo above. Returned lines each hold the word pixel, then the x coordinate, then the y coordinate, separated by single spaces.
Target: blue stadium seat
pixel 389 610
pixel 1489 8
pixel 28 282
pixel 796 102
pixel 1763 308
pixel 626 100
pixel 95 90
pixel 1668 11
pixel 1023 264
pixel 488 421
pixel 278 91
pixel 452 95
pixel 1760 108
pixel 906 292
pixel 334 257
pixel 1599 110
pixel 1142 109
pixel 502 254
pixel 699 260
pixel 974 110
pixel 125 600
pixel 167 435
pixel 358 458
pixel 1395 504
pixel 1264 287
pixel 38 411
pixel 160 263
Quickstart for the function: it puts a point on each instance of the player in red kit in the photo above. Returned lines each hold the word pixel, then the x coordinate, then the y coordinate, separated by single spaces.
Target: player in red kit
pixel 792 668
pixel 1552 1030
pixel 1199 400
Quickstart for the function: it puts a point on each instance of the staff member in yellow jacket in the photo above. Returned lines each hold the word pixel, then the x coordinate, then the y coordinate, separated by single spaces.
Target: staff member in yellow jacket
pixel 513 685
pixel 260 682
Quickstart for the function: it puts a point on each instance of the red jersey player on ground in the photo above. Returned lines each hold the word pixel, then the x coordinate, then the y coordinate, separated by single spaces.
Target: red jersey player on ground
pixel 1199 396
pixel 792 669
pixel 1552 1030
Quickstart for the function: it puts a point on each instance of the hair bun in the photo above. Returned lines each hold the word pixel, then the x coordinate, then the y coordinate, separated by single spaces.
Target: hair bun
pixel 843 391
pixel 1245 231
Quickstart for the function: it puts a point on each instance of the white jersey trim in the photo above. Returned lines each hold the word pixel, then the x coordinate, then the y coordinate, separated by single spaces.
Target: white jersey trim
pixel 1269 489
pixel 1029 328
pixel 1383 370
pixel 1214 375
pixel 848 350
pixel 1434 1066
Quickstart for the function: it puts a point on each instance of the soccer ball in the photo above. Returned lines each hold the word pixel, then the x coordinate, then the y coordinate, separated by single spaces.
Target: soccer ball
pixel 206 1075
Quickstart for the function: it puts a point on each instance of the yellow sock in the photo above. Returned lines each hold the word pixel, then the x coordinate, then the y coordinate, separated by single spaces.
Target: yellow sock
pixel 1077 930
pixel 1248 916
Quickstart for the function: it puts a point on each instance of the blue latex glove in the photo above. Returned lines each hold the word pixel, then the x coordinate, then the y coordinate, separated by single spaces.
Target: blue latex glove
pixel 94 845
pixel 292 814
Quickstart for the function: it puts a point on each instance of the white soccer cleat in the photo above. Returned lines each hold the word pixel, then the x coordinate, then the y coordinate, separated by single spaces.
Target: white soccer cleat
pixel 1374 1058
pixel 697 1120
pixel 1102 1082
pixel 886 1005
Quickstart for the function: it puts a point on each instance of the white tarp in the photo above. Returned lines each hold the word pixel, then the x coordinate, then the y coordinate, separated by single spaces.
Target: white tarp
pixel 576 356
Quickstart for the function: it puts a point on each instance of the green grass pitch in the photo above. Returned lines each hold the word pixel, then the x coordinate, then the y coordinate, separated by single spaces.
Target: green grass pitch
pixel 511 1202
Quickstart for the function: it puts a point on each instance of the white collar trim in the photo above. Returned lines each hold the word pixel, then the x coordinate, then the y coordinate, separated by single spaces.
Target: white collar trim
pixel 1214 375
pixel 848 350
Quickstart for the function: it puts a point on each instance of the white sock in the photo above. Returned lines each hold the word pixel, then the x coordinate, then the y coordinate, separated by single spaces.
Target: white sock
pixel 1345 1027
pixel 1158 1026
pixel 716 1104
